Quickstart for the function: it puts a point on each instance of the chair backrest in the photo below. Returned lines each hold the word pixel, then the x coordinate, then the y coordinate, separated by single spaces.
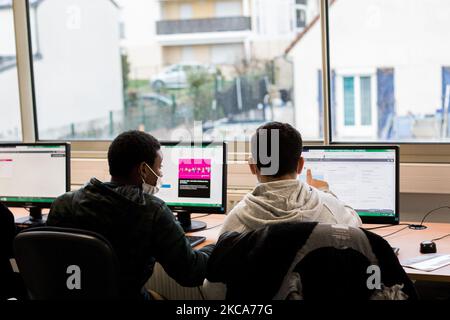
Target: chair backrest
pixel 337 262
pixel 11 285
pixel 307 261
pixel 7 233
pixel 67 264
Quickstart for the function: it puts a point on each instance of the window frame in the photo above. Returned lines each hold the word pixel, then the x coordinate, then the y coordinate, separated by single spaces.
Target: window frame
pixel 357 75
pixel 411 152
pixel 299 7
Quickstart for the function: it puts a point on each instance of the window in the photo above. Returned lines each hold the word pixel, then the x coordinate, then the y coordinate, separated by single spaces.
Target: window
pixel 366 101
pixel 228 8
pixel 354 105
pixel 175 76
pixel 405 95
pixel 349 101
pixel 300 14
pixel 186 11
pixel 10 125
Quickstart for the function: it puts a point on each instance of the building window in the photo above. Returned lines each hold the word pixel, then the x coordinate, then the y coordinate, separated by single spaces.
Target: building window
pixel 300 14
pixel 400 90
pixel 353 105
pixel 349 101
pixel 186 11
pixel 366 101
pixel 228 8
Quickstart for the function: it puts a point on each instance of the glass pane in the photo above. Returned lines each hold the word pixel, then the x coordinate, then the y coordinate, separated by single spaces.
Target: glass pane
pixel 398 53
pixel 366 101
pixel 305 53
pixel 300 18
pixel 148 65
pixel 349 101
pixel 10 122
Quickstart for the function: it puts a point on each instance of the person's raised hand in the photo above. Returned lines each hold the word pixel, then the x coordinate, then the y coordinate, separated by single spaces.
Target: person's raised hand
pixel 318 184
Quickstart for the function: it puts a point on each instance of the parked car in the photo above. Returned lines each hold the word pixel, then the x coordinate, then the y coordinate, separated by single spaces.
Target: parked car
pixel 176 76
pixel 153 99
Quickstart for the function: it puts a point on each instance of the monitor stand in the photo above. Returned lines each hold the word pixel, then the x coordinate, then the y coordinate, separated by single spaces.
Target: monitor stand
pixel 184 218
pixel 34 219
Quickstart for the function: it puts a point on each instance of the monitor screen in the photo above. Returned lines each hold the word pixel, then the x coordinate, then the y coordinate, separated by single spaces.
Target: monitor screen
pixel 194 177
pixel 33 174
pixel 365 178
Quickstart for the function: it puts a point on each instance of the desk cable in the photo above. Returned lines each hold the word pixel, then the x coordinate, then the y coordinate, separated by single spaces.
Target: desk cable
pixel 421 226
pixel 387 226
pixel 201 293
pixel 202 216
pixel 440 238
pixel 392 233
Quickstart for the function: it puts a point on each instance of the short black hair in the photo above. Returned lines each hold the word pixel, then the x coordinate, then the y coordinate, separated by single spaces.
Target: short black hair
pixel 130 149
pixel 290 147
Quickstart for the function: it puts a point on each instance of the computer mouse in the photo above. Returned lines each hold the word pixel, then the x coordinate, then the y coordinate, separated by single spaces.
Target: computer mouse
pixel 428 247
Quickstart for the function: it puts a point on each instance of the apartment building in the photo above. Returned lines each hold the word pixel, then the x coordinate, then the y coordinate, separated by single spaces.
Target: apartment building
pixel 205 31
pixel 229 31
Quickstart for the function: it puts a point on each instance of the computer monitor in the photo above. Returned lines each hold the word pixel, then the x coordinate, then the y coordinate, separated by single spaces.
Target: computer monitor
pixel 364 177
pixel 194 180
pixel 34 175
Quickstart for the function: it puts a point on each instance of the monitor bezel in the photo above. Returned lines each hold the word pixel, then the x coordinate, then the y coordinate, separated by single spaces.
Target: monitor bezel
pixel 201 209
pixel 374 220
pixel 43 205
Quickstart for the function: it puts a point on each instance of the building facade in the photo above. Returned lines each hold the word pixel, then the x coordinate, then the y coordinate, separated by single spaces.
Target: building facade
pixel 390 71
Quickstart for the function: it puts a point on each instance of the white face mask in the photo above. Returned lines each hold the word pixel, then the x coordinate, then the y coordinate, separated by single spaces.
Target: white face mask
pixel 148 188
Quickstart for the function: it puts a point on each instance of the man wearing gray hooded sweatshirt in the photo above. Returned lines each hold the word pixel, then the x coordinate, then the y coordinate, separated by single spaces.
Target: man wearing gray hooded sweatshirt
pixel 279 195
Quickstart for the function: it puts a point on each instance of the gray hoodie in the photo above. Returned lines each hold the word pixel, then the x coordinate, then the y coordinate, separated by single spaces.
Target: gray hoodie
pixel 282 201
pixel 286 201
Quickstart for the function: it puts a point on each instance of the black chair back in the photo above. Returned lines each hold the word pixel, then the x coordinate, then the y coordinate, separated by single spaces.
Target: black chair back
pixel 11 283
pixel 67 264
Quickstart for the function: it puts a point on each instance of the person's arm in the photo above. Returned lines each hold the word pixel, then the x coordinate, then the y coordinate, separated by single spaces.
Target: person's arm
pixel 175 254
pixel 58 215
pixel 232 221
pixel 351 218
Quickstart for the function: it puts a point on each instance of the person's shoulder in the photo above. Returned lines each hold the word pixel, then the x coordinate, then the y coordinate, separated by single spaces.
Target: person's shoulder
pixel 65 197
pixel 152 200
pixel 155 204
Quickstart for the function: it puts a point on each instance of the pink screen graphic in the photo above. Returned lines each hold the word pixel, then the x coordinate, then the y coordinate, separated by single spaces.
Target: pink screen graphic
pixel 194 169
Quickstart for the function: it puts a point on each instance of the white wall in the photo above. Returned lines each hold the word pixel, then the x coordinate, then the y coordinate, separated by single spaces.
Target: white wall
pixel 409 35
pixel 79 77
pixel 9 91
pixel 144 52
pixel 7 43
pixel 307 58
pixel 9 105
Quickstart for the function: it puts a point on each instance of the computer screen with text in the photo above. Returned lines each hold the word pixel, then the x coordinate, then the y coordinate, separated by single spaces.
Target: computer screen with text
pixel 32 173
pixel 365 179
pixel 193 175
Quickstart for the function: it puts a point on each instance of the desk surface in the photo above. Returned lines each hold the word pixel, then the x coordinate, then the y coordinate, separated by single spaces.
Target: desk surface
pixel 407 240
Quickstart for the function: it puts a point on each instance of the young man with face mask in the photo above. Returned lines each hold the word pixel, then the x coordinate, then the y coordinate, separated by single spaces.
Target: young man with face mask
pixel 139 226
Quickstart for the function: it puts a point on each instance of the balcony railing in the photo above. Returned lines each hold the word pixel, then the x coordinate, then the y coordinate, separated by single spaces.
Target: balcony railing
pixel 166 27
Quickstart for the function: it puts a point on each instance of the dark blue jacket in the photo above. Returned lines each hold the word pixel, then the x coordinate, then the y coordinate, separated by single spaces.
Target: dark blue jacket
pixel 141 229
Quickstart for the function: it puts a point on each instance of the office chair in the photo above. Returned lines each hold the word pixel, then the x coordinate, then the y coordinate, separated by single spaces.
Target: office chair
pixel 11 283
pixel 67 264
pixel 307 261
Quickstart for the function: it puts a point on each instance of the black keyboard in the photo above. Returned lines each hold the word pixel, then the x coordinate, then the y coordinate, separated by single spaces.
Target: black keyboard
pixel 195 240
